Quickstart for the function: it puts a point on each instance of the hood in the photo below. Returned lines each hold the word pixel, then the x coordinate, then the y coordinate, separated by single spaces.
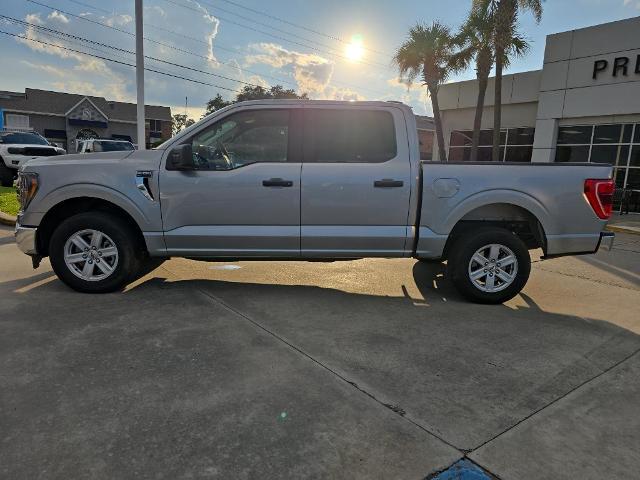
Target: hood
pixel 145 159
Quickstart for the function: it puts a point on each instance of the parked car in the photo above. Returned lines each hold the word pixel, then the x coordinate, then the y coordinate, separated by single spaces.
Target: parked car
pixel 16 147
pixel 103 145
pixel 307 180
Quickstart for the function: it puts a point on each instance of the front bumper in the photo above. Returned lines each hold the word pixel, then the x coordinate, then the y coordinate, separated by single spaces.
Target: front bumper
pixel 26 239
pixel 606 241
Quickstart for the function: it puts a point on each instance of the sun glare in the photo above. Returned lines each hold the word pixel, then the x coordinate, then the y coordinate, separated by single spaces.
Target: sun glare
pixel 354 51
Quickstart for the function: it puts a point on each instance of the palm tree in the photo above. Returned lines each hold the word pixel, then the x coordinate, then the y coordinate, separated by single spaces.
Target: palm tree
pixel 505 16
pixel 475 40
pixel 427 54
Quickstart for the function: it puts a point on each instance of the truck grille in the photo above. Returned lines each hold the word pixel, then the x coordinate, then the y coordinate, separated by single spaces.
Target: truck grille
pixel 40 152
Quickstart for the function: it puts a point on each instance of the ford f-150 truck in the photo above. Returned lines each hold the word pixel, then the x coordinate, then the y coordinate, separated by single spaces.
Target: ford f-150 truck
pixel 306 180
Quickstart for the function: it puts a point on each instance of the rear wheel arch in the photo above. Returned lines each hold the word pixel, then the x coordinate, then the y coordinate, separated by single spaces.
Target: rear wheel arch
pixel 514 218
pixel 72 206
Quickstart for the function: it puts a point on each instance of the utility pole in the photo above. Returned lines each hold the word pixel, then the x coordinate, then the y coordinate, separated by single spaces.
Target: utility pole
pixel 140 76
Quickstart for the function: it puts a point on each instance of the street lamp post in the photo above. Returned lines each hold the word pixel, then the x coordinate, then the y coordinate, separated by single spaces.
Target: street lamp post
pixel 140 76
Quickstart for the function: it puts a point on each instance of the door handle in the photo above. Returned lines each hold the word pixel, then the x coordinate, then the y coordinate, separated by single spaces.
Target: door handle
pixel 388 183
pixel 277 182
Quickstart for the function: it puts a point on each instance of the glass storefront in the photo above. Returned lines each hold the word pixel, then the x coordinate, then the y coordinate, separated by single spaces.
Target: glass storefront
pixel 614 144
pixel 516 145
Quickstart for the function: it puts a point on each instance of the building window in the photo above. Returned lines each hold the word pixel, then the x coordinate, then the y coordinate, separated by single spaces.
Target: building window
pixel 16 121
pixel 425 138
pixel 614 144
pixel 516 145
pixel 155 125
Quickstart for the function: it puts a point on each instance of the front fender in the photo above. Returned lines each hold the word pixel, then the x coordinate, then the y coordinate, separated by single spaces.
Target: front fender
pixel 146 218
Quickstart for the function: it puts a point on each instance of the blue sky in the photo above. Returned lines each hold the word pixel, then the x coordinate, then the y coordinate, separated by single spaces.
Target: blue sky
pixel 244 46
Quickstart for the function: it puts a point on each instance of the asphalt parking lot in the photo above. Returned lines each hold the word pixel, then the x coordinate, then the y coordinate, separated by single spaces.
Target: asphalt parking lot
pixel 365 369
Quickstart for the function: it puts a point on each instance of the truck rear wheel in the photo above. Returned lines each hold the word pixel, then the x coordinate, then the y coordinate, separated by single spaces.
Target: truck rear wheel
pixel 489 265
pixel 94 252
pixel 7 175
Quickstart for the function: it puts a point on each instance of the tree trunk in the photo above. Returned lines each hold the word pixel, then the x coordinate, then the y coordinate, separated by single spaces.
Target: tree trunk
pixel 477 121
pixel 437 120
pixel 497 106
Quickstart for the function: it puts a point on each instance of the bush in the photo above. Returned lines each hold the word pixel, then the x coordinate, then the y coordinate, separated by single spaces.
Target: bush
pixel 8 200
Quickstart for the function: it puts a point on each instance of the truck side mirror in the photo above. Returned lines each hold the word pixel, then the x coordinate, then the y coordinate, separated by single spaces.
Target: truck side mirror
pixel 181 158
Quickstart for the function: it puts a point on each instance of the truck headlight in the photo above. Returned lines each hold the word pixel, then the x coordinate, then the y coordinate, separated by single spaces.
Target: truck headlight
pixel 27 188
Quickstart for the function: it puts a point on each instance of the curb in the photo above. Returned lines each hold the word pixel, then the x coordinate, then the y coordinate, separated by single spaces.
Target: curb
pixel 7 219
pixel 624 229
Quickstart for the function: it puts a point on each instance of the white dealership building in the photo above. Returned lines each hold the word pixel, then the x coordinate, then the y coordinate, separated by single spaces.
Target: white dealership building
pixel 583 105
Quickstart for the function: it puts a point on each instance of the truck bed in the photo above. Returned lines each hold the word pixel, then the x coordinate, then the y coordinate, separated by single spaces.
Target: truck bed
pixel 552 193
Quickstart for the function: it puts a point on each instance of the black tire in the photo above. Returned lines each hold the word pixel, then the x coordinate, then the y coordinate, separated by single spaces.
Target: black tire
pixel 7 175
pixel 465 248
pixel 430 260
pixel 130 254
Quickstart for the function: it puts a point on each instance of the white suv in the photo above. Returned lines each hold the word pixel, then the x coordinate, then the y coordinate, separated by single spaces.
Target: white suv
pixel 18 146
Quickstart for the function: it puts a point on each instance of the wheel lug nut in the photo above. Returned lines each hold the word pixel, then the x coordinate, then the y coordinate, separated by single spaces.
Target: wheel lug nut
pixel 491 274
pixel 84 255
pixel 486 263
pixel 97 260
pixel 90 262
pixel 485 270
pixel 99 254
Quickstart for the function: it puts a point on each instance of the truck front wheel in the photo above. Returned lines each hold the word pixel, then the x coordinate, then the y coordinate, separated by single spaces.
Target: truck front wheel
pixel 94 252
pixel 489 265
pixel 7 175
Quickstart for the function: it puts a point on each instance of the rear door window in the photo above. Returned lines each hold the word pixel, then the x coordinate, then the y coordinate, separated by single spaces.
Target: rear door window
pixel 349 136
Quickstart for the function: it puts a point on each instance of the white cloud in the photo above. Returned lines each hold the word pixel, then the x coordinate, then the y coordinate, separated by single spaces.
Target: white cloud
pixel 118 20
pixel 155 9
pixel 33 18
pixel 58 17
pixel 311 72
pixel 632 3
pixel 213 23
pixel 49 69
pixel 343 94
pixel 93 77
pixel 412 94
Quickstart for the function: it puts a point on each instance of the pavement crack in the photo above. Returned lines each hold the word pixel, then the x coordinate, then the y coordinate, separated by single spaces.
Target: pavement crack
pixel 564 395
pixel 394 408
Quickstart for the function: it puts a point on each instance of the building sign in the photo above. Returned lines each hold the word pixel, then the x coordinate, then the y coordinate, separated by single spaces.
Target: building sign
pixel 620 66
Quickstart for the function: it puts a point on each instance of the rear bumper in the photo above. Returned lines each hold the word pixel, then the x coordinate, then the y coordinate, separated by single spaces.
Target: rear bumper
pixel 605 242
pixel 26 239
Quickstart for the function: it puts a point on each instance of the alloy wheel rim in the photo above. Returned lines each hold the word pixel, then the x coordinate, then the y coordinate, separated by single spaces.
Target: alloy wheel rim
pixel 493 268
pixel 91 255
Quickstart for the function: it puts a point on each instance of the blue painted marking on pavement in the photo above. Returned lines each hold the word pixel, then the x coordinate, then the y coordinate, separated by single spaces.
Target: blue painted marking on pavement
pixel 463 470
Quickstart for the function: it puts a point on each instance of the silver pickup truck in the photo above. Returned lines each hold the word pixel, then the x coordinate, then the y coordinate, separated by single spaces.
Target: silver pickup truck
pixel 306 180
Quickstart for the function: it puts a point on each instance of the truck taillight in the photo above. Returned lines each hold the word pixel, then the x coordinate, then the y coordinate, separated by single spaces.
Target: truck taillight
pixel 599 194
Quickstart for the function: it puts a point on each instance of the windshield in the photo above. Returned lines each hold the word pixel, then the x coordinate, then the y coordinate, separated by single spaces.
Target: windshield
pixel 112 146
pixel 23 138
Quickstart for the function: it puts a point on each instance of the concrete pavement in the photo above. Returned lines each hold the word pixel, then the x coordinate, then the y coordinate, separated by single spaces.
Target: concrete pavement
pixel 366 369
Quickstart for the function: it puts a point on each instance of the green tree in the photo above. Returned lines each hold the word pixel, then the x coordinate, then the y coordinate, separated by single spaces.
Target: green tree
pixel 428 54
pixel 505 16
pixel 216 103
pixel 180 121
pixel 475 40
pixel 253 92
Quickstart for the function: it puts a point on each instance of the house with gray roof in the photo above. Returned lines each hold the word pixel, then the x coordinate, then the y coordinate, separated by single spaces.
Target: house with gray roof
pixel 64 118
